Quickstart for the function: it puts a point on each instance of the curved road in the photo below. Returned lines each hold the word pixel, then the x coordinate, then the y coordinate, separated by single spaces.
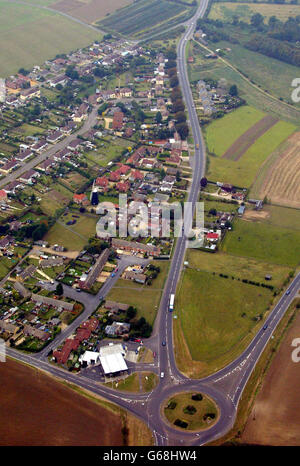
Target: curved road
pixel 225 386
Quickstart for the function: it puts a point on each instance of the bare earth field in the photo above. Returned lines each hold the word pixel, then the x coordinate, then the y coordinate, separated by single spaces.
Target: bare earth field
pixel 282 182
pixel 90 11
pixel 37 410
pixel 242 144
pixel 275 417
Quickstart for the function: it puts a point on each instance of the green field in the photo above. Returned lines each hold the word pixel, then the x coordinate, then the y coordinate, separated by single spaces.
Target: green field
pixel 264 241
pixel 243 171
pixel 73 237
pixel 29 36
pixel 238 267
pixel 221 133
pixel 218 315
pixel 142 15
pixel 225 11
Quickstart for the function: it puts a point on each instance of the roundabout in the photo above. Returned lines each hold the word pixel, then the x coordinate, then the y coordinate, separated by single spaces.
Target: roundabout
pixel 190 411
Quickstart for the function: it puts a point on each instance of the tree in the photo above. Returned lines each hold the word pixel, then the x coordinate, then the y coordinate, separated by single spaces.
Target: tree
pixel 59 289
pixel 158 117
pixel 233 91
pixel 180 117
pixel 183 130
pixel 257 20
pixel 203 182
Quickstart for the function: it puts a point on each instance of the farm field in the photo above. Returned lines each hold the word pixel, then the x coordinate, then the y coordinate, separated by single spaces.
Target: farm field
pixel 265 241
pixel 89 11
pixel 279 178
pixel 28 397
pixel 225 11
pixel 239 267
pixel 274 419
pixel 273 70
pixel 142 15
pixel 223 132
pixel 65 236
pixel 215 323
pixel 243 171
pixel 29 36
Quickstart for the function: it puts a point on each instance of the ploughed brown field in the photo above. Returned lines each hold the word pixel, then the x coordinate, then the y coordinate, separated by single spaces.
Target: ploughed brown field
pixel 37 410
pixel 282 182
pixel 275 417
pixel 90 11
pixel 242 144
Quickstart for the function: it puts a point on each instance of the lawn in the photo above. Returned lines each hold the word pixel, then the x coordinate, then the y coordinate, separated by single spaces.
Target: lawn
pixel 176 408
pixel 216 319
pixel 221 133
pixel 239 267
pixel 134 383
pixel 243 171
pixel 59 234
pixel 264 241
pixel 29 36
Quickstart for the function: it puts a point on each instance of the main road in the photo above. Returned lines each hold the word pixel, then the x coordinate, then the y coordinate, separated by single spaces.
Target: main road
pixel 225 386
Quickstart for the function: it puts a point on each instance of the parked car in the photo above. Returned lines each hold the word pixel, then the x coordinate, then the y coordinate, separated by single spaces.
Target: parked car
pixel 162 374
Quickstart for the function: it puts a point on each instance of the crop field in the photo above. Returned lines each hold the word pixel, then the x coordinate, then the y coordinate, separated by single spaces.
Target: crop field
pixel 245 141
pixel 279 178
pixel 223 132
pixel 265 241
pixel 274 418
pixel 238 267
pixel 243 171
pixel 29 36
pixel 225 11
pixel 142 15
pixel 89 11
pixel 217 319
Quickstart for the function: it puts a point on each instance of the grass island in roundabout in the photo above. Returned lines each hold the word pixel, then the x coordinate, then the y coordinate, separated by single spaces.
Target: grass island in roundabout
pixel 190 411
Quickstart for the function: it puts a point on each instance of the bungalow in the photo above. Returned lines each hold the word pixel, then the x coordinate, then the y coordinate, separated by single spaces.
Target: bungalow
pixel 133 246
pixel 23 155
pixel 3 195
pixel 123 187
pixel 54 136
pixel 46 165
pixel 68 128
pixel 51 262
pixel 39 300
pixel 80 199
pixel 40 146
pixel 123 169
pixel 5 242
pixel 62 80
pixel 148 163
pixel 118 121
pixel 102 182
pixel 117 328
pixel 114 176
pixel 136 175
pixel 29 177
pixel 12 187
pixel 30 93
pixel 212 237
pixel 9 166
pixel 75 144
pixel 31 331
pixel 135 277
pixel 61 155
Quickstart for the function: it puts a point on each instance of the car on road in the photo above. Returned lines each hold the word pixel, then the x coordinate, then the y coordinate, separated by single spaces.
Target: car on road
pixel 137 340
pixel 154 354
pixel 163 343
pixel 78 290
pixel 265 327
pixel 113 274
pixel 288 292
pixel 162 374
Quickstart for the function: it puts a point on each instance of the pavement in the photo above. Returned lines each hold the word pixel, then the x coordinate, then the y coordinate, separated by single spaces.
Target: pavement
pixel 225 386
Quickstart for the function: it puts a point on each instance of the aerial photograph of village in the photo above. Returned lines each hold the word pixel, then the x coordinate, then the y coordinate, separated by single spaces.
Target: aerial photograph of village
pixel 149 226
